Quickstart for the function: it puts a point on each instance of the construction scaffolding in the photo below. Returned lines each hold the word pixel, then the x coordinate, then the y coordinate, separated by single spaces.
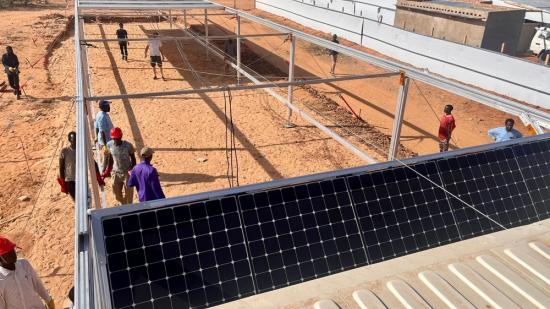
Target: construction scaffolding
pixel 90 290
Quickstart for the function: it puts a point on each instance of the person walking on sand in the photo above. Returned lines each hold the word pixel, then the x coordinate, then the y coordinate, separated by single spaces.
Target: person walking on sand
pixel 145 178
pixel 103 126
pixel 67 166
pixel 154 45
pixel 11 66
pixel 505 133
pixel 333 55
pixel 20 286
pixel 446 127
pixel 120 161
pixel 122 35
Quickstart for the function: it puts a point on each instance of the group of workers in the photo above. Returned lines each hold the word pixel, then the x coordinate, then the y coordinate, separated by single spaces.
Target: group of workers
pixel 153 48
pixel 447 125
pixel 117 160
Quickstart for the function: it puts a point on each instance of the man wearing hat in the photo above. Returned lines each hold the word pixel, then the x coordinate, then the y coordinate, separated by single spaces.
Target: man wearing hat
pixel 103 126
pixel 20 286
pixel 145 178
pixel 120 161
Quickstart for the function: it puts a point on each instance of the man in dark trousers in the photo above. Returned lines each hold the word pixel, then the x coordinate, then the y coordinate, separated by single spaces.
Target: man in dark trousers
pixel 11 66
pixel 146 178
pixel 122 35
pixel 446 127
pixel 333 55
pixel 67 167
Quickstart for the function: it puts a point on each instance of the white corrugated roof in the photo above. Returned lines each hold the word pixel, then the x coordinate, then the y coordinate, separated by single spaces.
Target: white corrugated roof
pixel 508 269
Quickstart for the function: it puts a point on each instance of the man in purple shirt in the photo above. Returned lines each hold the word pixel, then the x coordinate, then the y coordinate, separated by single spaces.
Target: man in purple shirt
pixel 145 178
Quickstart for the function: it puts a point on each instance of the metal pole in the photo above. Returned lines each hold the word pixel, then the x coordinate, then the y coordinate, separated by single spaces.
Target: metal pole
pixel 185 18
pixel 398 120
pixel 206 31
pixel 292 57
pixel 238 49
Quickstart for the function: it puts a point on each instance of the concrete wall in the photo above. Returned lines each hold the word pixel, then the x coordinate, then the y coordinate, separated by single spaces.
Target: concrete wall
pixel 503 27
pixel 458 30
pixel 509 76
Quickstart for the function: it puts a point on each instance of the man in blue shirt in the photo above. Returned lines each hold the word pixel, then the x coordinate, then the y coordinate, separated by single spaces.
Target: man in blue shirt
pixel 505 133
pixel 103 126
pixel 145 178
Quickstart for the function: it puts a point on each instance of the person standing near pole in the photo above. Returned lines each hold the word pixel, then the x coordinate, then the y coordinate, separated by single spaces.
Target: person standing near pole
pixel 333 55
pixel 154 45
pixel 230 53
pixel 146 178
pixel 120 161
pixel 103 126
pixel 20 286
pixel 446 127
pixel 122 35
pixel 11 66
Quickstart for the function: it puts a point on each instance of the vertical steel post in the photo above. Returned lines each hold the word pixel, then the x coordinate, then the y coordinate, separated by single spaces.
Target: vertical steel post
pixel 292 58
pixel 238 49
pixel 185 18
pixel 398 119
pixel 206 32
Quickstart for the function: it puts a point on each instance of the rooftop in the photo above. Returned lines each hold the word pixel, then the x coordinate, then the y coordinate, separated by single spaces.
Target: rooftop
pixel 472 9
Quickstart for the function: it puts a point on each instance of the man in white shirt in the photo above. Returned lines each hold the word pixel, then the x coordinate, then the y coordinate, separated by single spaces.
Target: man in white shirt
pixel 154 44
pixel 20 286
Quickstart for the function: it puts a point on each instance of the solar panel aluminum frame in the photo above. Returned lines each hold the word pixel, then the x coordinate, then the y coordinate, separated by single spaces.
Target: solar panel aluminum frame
pixel 98 215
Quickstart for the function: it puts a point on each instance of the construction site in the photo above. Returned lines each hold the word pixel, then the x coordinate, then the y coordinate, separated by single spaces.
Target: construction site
pixel 231 127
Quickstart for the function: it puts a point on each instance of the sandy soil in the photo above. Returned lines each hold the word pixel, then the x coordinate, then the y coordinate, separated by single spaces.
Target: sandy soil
pixel 32 132
pixel 185 130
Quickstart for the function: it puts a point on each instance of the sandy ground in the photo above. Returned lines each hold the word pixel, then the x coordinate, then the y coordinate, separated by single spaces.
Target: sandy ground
pixel 32 132
pixel 186 130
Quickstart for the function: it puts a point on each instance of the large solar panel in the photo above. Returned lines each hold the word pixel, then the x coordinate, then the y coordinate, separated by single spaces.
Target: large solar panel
pixel 190 255
pixel 212 248
pixel 301 233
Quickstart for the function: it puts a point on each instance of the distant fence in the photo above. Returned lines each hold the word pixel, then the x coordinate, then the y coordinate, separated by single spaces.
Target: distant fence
pixel 496 72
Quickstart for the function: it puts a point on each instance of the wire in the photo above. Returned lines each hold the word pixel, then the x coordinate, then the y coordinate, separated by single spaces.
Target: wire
pixel 47 171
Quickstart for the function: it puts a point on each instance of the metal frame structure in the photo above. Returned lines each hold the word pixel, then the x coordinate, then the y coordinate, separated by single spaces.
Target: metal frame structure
pixel 97 216
pixel 90 273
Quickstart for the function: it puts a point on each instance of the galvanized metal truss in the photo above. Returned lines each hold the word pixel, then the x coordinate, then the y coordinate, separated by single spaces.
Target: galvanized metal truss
pixel 90 282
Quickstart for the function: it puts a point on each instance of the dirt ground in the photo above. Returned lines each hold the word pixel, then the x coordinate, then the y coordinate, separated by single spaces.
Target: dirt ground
pixel 188 133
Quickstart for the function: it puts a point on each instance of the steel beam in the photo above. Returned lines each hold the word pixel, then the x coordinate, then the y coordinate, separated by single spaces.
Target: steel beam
pixel 258 85
pixel 398 119
pixel 81 266
pixel 239 38
pixel 469 92
pixel 184 38
pixel 354 149
pixel 206 32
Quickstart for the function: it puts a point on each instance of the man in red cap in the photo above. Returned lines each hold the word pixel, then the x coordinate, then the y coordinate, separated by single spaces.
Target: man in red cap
pixel 20 286
pixel 120 161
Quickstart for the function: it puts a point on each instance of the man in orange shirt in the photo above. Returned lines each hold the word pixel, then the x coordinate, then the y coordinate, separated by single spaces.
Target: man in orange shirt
pixel 446 127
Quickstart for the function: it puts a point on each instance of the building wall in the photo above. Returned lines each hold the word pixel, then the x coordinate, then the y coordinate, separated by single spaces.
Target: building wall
pixel 480 67
pixel 503 27
pixel 454 29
